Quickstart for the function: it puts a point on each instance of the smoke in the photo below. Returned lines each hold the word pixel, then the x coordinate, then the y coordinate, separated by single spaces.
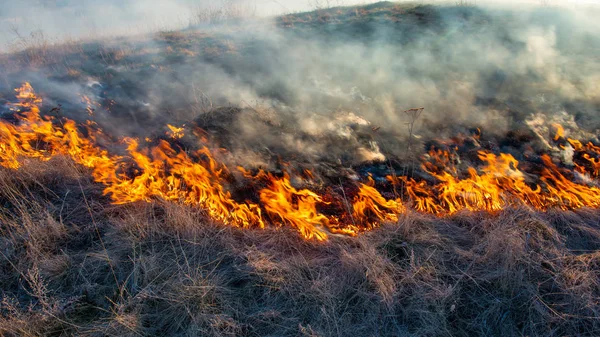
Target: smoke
pixel 334 93
pixel 60 19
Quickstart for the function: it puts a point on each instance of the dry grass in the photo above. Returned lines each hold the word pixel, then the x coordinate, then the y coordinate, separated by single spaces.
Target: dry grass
pixel 75 265
pixel 222 12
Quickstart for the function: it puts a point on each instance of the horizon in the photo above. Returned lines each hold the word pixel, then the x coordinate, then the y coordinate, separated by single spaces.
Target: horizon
pixel 64 20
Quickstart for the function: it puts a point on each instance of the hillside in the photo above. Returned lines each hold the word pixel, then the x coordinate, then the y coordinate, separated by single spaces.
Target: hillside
pixel 381 170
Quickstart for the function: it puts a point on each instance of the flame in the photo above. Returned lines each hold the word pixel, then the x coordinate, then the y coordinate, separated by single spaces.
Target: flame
pixel 369 203
pixel 175 132
pixel 560 131
pixel 38 137
pixel 564 193
pixel 589 153
pixel 171 175
pixel 295 207
pixel 198 179
pixel 90 104
pixel 422 197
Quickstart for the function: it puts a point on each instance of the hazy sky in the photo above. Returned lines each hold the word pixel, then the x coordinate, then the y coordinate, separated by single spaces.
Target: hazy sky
pixel 60 19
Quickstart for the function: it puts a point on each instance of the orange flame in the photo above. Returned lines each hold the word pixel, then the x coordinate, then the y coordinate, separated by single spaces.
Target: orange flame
pixel 294 207
pixel 175 132
pixel 588 152
pixel 370 203
pixel 90 104
pixel 560 131
pixel 198 179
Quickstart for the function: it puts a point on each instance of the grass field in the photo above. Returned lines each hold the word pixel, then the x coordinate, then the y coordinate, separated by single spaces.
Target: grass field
pixel 75 263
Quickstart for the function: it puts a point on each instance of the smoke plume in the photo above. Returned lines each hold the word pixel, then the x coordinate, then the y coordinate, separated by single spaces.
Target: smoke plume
pixel 332 86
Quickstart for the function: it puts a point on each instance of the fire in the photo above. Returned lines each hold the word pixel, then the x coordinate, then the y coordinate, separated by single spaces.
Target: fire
pixel 564 193
pixel 295 207
pixel 370 202
pixel 198 179
pixel 589 154
pixel 560 131
pixel 90 104
pixel 175 132
pixel 422 197
pixel 499 184
pixel 166 173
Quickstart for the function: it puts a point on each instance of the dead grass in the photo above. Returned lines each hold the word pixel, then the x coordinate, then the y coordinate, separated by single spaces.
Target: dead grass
pixel 75 265
pixel 223 12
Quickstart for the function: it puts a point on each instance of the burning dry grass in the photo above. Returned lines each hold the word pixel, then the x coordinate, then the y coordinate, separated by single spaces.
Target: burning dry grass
pixel 73 265
pixel 196 177
pixel 104 237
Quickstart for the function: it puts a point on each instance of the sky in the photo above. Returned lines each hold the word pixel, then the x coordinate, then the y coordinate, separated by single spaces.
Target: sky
pixel 63 19
pixel 60 19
